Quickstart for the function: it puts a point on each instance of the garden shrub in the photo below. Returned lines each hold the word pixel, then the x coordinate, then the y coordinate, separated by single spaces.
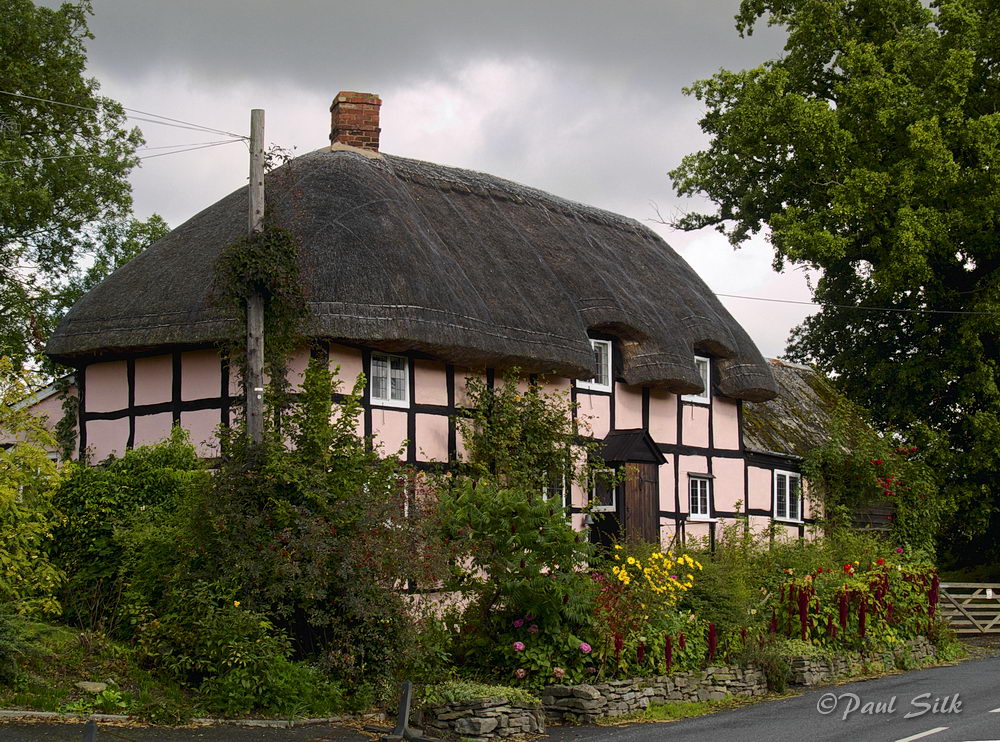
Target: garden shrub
pixel 640 627
pixel 29 580
pixel 310 535
pixel 522 569
pixel 101 504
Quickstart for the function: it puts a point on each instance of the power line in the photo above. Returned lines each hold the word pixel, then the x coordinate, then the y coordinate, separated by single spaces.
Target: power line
pixel 856 306
pixel 177 123
pixel 173 147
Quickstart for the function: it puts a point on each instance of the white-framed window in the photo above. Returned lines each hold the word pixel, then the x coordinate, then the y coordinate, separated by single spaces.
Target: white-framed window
pixel 603 491
pixel 699 498
pixel 602 358
pixel 788 496
pixel 389 380
pixel 557 489
pixel 704 366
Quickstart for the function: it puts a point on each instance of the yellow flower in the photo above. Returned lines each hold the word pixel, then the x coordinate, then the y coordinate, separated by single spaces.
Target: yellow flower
pixel 631 560
pixel 618 546
pixel 236 604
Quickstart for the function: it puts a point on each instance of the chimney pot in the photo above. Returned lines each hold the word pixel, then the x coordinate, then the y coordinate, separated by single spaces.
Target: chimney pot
pixel 354 119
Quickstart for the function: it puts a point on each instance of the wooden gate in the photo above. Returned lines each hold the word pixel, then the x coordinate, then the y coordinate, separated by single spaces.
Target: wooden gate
pixel 971 607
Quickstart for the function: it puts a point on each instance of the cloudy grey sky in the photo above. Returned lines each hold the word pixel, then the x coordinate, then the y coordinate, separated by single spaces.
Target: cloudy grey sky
pixel 577 97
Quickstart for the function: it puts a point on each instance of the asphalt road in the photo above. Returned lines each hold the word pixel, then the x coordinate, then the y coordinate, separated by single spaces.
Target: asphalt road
pixel 944 704
pixel 967 708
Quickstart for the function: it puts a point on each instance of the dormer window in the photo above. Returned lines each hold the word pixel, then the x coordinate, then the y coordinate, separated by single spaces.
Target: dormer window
pixel 602 359
pixel 390 380
pixel 704 366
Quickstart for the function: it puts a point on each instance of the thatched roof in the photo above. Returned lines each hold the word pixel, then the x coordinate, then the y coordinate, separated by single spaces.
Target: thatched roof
pixel 402 254
pixel 798 419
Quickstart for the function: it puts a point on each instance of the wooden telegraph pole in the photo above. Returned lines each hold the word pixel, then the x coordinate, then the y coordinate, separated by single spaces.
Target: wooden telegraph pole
pixel 254 382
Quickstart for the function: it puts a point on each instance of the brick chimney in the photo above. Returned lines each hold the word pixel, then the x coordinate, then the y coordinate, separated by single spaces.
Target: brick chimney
pixel 354 120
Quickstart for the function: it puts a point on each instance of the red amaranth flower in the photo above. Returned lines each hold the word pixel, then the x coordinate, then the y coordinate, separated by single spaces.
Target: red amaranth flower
pixel 668 651
pixel 712 640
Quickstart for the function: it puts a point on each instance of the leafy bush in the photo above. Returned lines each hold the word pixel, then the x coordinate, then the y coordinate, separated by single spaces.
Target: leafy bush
pixel 29 581
pixel 311 536
pixel 101 504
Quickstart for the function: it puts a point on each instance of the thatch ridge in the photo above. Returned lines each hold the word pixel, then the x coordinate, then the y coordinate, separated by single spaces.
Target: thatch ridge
pixel 477 270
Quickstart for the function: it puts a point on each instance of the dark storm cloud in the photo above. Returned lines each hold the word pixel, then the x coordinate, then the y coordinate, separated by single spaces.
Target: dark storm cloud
pixel 640 44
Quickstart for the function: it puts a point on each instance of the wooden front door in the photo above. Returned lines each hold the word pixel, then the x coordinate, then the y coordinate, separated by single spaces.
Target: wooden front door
pixel 641 502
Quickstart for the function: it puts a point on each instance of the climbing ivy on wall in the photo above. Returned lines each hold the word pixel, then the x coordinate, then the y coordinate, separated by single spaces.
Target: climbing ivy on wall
pixel 266 262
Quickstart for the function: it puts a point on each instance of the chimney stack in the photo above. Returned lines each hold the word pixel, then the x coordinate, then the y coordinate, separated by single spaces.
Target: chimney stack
pixel 354 120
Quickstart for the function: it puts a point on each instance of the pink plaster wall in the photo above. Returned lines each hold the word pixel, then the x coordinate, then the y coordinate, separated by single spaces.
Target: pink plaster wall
pixel 106 438
pixel 689 465
pixel 667 483
pixel 461 392
pixel 389 427
pixel 432 437
pixel 595 411
pixel 663 416
pixel 696 531
pixel 727 488
pixel 154 376
pixel 351 365
pixel 430 381
pixel 725 423
pixel 152 428
pixel 201 374
pixel 106 386
pixel 628 406
pixel 201 425
pixel 695 425
pixel 760 488
pixel 297 365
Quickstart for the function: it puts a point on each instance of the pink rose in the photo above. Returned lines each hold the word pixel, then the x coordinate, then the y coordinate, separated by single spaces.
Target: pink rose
pixel 518 646
pixel 585 648
pixel 533 629
pixel 899 549
pixel 558 672
pixel 518 623
pixel 592 670
pixel 520 673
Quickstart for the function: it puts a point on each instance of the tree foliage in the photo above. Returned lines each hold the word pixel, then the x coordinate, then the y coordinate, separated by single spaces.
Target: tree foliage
pixel 29 581
pixel 870 151
pixel 64 167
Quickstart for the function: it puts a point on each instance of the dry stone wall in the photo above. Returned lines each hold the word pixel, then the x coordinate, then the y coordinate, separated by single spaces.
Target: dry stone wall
pixel 495 718
pixel 483 719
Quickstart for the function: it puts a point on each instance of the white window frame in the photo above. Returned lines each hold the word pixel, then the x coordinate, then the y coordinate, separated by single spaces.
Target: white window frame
pixel 389 402
pixel 595 384
pixel 607 476
pixel 707 482
pixel 787 516
pixel 561 493
pixel 704 366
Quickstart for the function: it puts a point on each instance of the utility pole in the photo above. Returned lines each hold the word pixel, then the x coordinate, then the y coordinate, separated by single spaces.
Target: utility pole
pixel 254 382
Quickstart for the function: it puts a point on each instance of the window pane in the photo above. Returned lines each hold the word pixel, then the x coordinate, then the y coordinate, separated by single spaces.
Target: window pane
pixel 703 372
pixel 398 377
pixel 794 498
pixel 601 353
pixel 781 490
pixel 380 377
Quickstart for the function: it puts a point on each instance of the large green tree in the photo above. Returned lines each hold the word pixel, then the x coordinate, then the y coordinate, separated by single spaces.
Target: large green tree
pixel 870 152
pixel 64 165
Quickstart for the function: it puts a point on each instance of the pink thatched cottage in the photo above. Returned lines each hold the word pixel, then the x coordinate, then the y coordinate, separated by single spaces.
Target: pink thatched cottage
pixel 420 275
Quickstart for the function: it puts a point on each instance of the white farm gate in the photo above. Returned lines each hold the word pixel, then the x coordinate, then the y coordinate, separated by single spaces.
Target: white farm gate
pixel 971 607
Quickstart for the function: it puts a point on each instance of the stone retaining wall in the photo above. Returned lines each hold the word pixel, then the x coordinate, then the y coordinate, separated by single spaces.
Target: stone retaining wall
pixel 491 718
pixel 483 719
pixel 587 703
pixel 814 671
